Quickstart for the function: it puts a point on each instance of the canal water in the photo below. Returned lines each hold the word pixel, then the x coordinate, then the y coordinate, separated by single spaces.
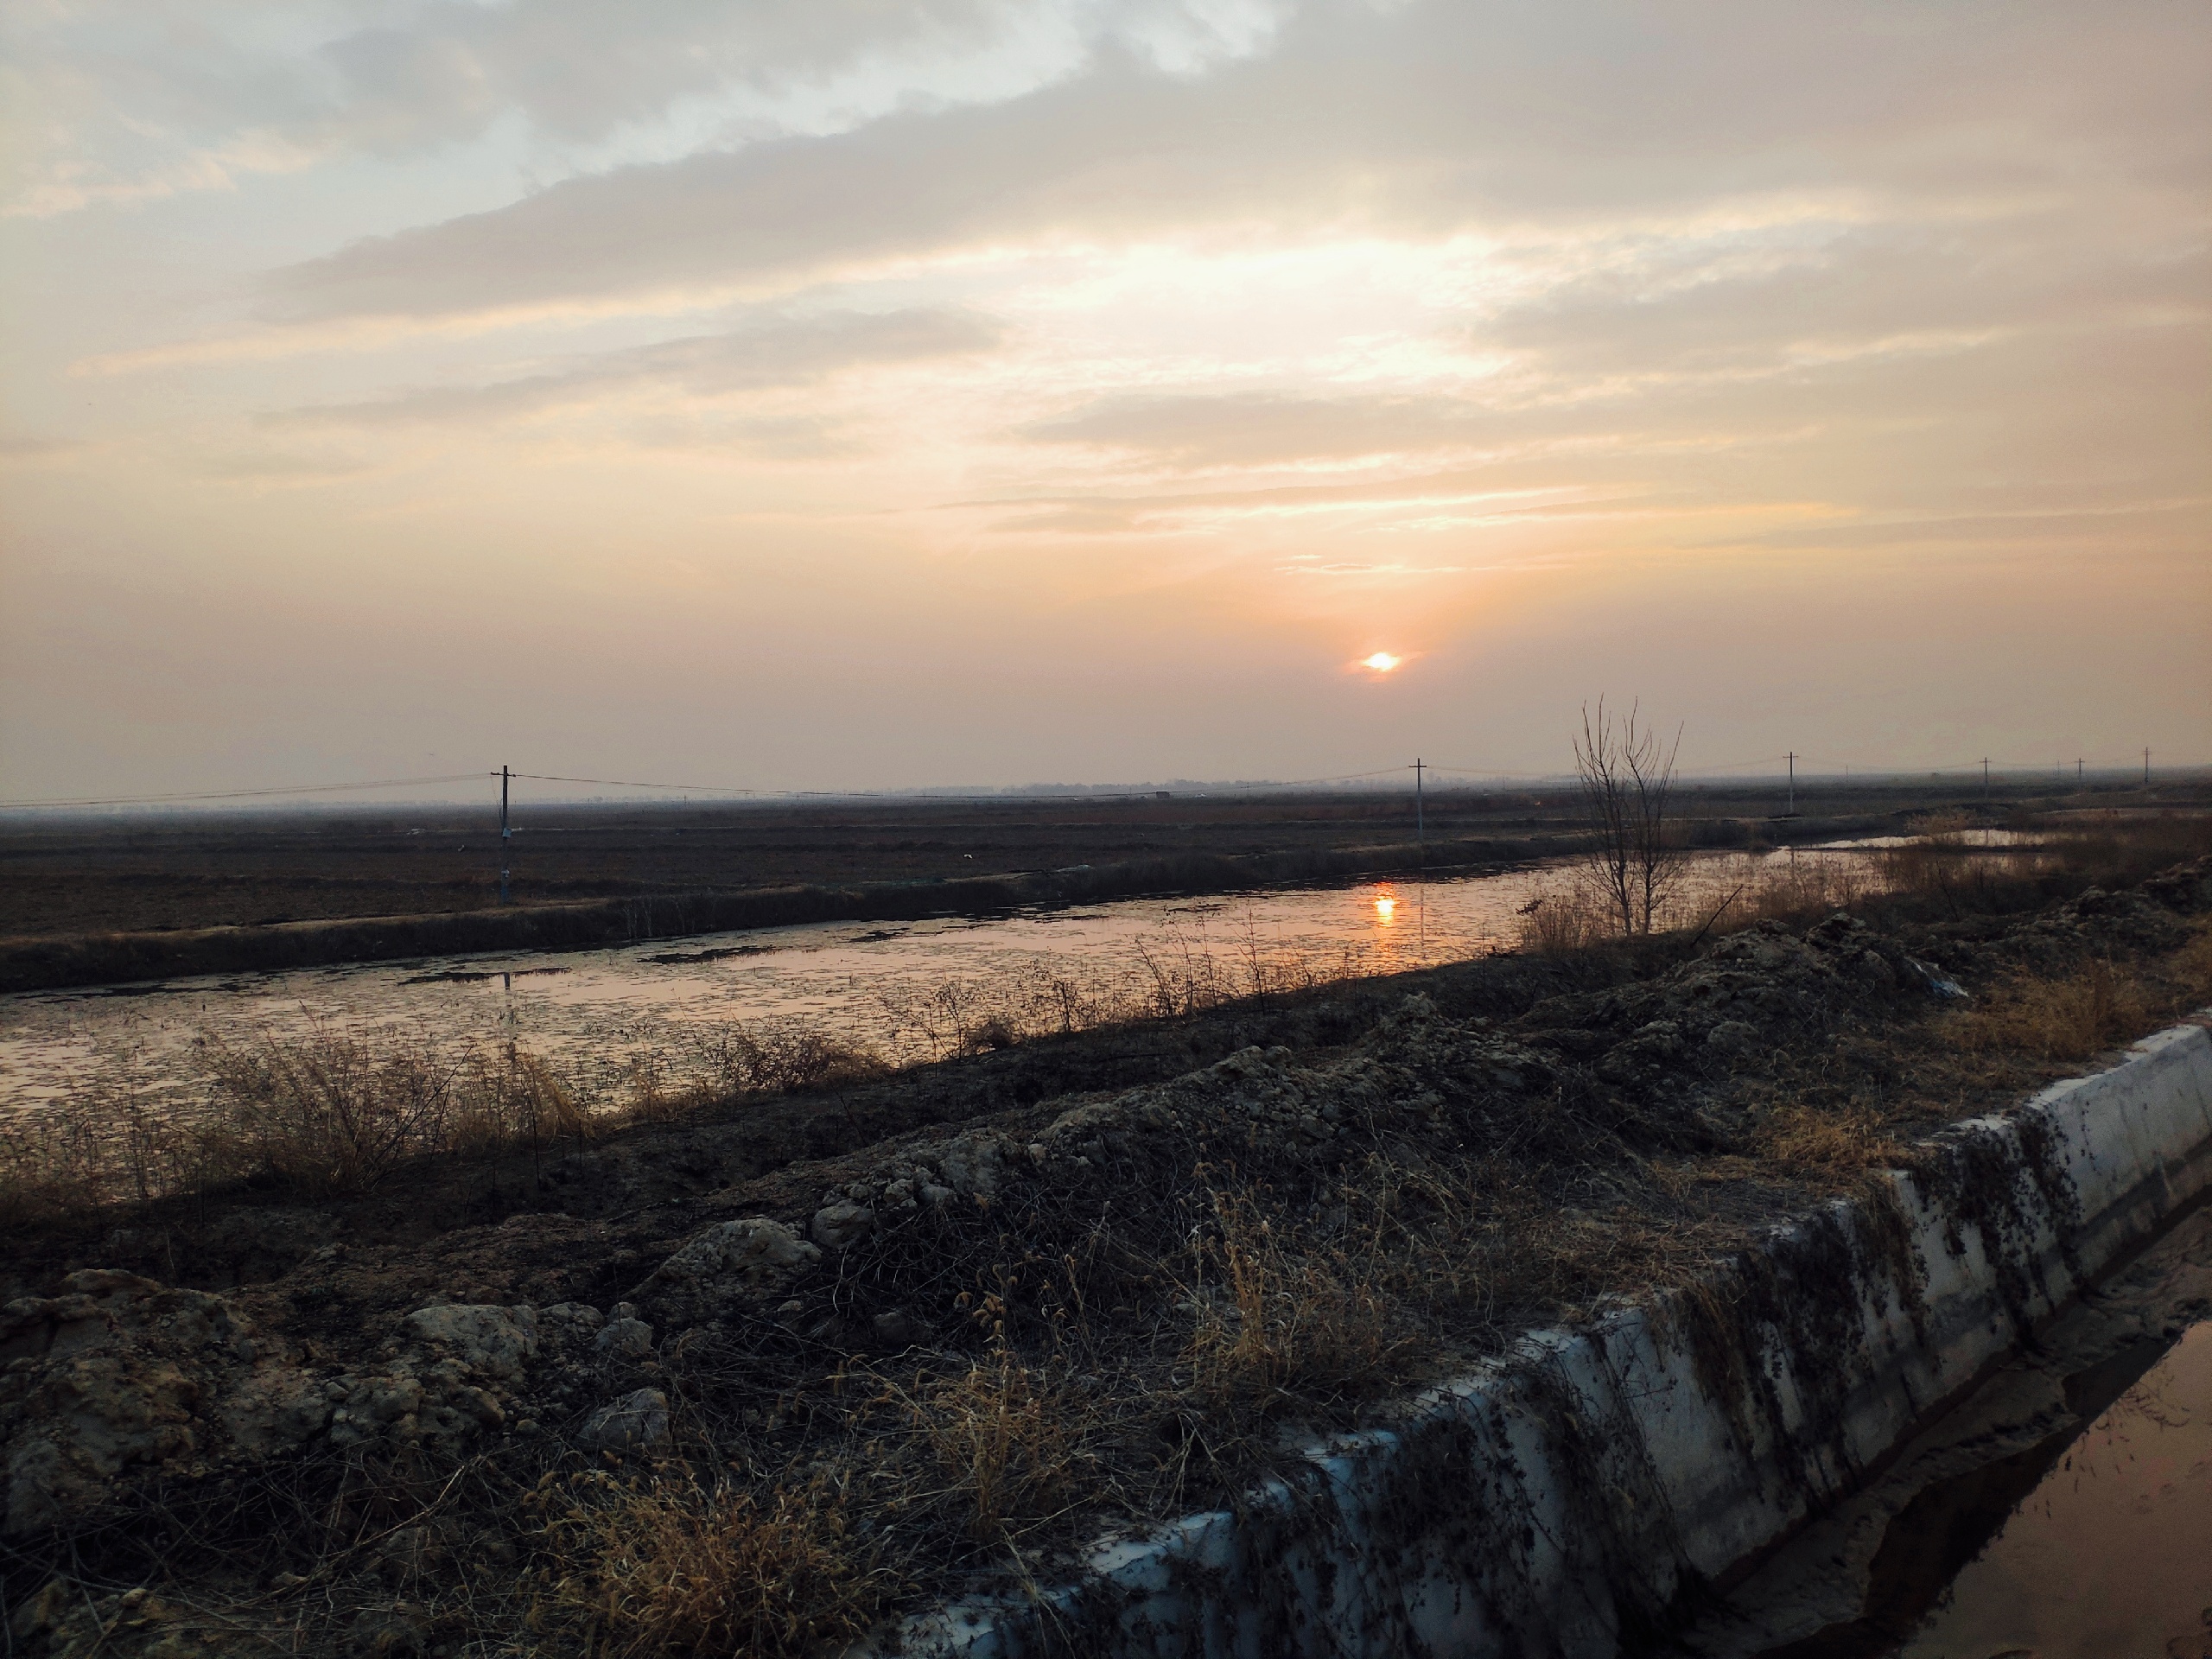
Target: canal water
pixel 906 991
pixel 2111 1556
pixel 2062 1511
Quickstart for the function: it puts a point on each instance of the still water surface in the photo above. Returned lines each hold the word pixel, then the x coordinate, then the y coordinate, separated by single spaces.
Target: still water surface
pixel 907 990
pixel 2110 1556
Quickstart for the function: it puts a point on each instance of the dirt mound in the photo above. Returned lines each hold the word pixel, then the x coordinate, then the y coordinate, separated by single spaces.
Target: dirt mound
pixel 1346 1205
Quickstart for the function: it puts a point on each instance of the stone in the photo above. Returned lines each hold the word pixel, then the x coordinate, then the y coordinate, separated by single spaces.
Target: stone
pixel 745 1263
pixel 898 1329
pixel 623 1339
pixel 839 1226
pixel 492 1341
pixel 1732 1037
pixel 636 1420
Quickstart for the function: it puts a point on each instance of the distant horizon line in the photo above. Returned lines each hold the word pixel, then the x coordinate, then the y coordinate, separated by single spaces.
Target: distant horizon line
pixel 1439 779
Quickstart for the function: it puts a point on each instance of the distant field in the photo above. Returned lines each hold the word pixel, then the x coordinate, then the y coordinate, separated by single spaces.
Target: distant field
pixel 153 873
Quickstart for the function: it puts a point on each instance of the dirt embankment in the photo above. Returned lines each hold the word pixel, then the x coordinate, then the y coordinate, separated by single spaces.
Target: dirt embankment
pixel 754 1382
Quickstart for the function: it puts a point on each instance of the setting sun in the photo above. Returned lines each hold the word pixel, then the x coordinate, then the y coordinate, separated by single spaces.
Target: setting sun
pixel 1381 662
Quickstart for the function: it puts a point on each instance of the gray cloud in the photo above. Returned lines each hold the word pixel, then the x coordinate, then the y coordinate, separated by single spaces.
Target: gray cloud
pixel 22 447
pixel 786 352
pixel 122 101
pixel 1421 119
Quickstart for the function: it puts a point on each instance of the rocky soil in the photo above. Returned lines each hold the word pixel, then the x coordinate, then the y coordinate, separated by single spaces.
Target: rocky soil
pixel 257 1424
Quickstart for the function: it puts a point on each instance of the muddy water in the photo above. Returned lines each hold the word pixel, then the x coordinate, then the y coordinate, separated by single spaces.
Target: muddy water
pixel 2112 1553
pixel 909 991
pixel 2062 1511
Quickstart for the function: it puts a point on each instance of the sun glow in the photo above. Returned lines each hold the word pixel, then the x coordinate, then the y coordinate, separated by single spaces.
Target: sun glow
pixel 1381 662
pixel 1386 908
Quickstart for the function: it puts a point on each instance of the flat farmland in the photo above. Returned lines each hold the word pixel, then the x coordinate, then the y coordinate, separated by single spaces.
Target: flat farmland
pixel 145 872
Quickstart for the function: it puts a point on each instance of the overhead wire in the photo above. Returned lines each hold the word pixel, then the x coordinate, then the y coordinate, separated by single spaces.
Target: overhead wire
pixel 248 794
pixel 186 797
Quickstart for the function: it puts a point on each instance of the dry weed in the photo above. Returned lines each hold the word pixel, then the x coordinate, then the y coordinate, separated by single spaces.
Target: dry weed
pixel 1007 1439
pixel 1561 923
pixel 742 1061
pixel 1271 1323
pixel 661 1566
pixel 1804 1141
pixel 2068 1018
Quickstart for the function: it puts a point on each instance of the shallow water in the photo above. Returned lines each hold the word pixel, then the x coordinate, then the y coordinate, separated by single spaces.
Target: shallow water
pixel 911 991
pixel 2110 1556
pixel 2061 1510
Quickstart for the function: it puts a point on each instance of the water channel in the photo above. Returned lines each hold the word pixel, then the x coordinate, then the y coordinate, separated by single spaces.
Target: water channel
pixel 908 991
pixel 2062 1511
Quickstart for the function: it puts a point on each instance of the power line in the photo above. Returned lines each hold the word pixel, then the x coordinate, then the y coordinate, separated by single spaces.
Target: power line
pixel 248 794
pixel 186 797
pixel 625 783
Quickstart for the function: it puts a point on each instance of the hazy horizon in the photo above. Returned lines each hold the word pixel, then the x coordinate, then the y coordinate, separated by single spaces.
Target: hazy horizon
pixel 843 398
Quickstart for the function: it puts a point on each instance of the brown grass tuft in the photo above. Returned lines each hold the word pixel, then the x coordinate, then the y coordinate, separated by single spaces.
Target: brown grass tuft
pixel 2070 1018
pixel 662 1566
pixel 1272 1324
pixel 1007 1437
pixel 1805 1143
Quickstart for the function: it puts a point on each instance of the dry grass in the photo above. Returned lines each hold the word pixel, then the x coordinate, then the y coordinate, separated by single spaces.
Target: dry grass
pixel 741 1061
pixel 664 1565
pixel 1005 1437
pixel 1274 1323
pixel 1568 919
pixel 2066 1017
pixel 328 1114
pixel 1807 1143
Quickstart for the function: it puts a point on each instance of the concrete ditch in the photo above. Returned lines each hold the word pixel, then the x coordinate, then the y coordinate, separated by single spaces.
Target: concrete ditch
pixel 1577 1496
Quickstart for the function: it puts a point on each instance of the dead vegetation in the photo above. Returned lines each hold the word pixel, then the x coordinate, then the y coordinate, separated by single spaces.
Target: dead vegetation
pixel 660 1564
pixel 333 1114
pixel 967 1392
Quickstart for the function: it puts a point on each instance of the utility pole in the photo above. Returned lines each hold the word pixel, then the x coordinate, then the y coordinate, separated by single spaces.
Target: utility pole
pixel 507 835
pixel 2077 771
pixel 1792 811
pixel 1985 777
pixel 2147 768
pixel 1420 828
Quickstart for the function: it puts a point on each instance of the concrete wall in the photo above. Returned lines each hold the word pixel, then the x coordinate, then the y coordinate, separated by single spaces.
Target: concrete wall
pixel 1565 1497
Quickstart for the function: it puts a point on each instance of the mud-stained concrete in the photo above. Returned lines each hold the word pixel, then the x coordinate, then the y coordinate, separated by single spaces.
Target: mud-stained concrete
pixel 1877 1573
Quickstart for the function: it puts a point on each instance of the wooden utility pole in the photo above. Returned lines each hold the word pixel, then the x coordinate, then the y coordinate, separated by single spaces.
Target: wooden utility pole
pixel 2147 768
pixel 1791 811
pixel 507 835
pixel 1420 827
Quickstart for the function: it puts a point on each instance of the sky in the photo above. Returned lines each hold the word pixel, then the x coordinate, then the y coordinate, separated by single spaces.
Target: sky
pixel 828 394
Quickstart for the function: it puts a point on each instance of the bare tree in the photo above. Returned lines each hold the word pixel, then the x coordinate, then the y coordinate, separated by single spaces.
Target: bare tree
pixel 1635 859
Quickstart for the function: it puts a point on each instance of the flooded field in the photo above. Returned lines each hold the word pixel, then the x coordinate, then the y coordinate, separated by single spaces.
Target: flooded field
pixel 909 992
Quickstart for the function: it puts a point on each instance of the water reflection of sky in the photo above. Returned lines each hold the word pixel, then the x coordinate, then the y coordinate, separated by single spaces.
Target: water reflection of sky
pixel 2112 1554
pixel 899 988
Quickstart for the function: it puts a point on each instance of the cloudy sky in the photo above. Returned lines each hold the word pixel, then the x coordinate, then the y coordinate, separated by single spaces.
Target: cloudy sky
pixel 853 393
